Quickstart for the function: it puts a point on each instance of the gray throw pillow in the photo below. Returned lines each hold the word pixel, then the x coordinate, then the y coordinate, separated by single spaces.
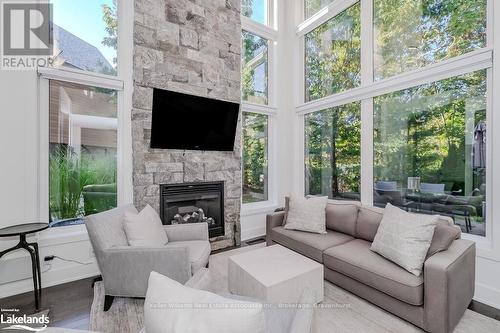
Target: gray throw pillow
pixel 287 206
pixel 405 238
pixel 444 235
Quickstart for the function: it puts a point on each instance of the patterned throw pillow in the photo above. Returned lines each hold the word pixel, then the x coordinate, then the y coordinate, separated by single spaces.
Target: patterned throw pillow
pixel 405 238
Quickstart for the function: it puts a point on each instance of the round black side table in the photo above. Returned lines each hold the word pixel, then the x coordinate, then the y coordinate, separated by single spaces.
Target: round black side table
pixel 22 230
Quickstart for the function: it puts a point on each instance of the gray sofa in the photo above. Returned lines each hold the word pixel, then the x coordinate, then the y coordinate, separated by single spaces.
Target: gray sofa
pixel 125 269
pixel 434 301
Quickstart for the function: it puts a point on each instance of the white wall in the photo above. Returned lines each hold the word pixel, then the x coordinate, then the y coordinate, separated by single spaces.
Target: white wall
pixel 19 203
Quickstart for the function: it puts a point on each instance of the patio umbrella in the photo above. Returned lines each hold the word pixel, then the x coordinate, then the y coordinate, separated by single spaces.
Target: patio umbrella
pixel 479 147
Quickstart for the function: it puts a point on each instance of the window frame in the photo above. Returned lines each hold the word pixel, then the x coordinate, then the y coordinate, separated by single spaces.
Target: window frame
pixel 123 84
pixel 270 33
pixel 473 61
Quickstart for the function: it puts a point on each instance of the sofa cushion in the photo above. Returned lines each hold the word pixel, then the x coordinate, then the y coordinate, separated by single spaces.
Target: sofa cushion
pixel 309 244
pixel 199 251
pixel 341 216
pixel 356 260
pixel 369 218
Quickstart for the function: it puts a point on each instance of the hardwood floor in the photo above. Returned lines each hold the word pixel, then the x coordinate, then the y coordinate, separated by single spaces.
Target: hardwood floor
pixel 69 303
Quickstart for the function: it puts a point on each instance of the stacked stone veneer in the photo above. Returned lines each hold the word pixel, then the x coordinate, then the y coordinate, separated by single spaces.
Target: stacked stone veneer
pixel 189 46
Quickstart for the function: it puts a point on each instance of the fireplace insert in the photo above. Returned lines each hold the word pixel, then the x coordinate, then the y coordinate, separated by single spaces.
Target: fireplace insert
pixel 194 203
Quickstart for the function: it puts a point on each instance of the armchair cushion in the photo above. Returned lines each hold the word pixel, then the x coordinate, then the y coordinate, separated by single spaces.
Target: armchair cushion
pixel 106 229
pixel 125 270
pixel 199 251
pixel 145 228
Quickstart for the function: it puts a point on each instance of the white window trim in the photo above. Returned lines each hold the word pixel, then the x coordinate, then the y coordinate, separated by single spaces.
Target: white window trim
pixel 488 246
pixel 270 33
pixel 470 62
pixel 123 84
pixel 258 28
pixel 323 15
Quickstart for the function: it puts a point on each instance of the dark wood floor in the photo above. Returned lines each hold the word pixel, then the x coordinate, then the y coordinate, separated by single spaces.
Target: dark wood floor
pixel 69 303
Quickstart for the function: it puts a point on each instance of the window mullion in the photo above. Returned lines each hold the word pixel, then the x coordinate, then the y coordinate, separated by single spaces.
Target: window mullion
pixel 367 44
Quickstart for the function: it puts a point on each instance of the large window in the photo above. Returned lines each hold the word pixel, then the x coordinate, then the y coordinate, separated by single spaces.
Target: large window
pixel 411 34
pixel 86 34
pixel 396 105
pixel 333 54
pixel 258 43
pixel 254 68
pixel 332 152
pixel 255 148
pixel 82 151
pixel 80 112
pixel 430 149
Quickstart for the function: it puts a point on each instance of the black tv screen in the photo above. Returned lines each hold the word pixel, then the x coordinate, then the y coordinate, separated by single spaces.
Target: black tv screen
pixel 187 122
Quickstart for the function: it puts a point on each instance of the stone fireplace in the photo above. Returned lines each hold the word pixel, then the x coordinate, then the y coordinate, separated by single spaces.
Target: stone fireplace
pixel 191 47
pixel 194 203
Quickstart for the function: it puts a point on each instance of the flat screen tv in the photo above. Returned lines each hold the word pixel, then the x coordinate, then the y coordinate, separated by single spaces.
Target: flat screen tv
pixel 187 122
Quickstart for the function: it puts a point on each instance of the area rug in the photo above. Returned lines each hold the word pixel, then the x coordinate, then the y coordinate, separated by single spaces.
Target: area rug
pixel 340 311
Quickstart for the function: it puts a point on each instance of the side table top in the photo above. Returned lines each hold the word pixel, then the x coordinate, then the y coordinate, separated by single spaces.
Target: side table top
pixel 23 229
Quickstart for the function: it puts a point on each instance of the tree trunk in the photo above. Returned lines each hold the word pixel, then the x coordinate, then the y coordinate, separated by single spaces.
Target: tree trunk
pixel 333 155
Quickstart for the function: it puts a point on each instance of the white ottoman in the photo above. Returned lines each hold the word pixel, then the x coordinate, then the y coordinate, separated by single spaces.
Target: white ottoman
pixel 275 274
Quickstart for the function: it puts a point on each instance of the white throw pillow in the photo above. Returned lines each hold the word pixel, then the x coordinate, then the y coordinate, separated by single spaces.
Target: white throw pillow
pixel 145 228
pixel 307 214
pixel 405 238
pixel 171 307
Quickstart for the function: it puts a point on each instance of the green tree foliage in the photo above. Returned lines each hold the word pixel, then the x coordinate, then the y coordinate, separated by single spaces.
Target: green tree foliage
pixel 254 157
pixel 333 55
pixel 424 131
pixel 421 131
pixel 333 143
pixel 412 34
pixel 253 58
pixel 246 8
pixel 110 18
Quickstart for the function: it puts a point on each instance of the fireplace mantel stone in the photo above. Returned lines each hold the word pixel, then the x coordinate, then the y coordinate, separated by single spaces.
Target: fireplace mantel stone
pixel 191 47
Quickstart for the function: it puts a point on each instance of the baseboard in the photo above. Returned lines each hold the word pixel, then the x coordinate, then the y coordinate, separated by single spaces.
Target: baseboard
pixel 252 233
pixel 487 295
pixel 50 278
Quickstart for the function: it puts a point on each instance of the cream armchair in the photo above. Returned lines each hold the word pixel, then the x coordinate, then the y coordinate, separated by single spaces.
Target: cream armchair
pixel 125 269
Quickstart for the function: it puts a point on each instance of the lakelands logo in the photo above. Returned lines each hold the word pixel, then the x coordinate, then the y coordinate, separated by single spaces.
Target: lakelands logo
pixel 26 35
pixel 35 323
